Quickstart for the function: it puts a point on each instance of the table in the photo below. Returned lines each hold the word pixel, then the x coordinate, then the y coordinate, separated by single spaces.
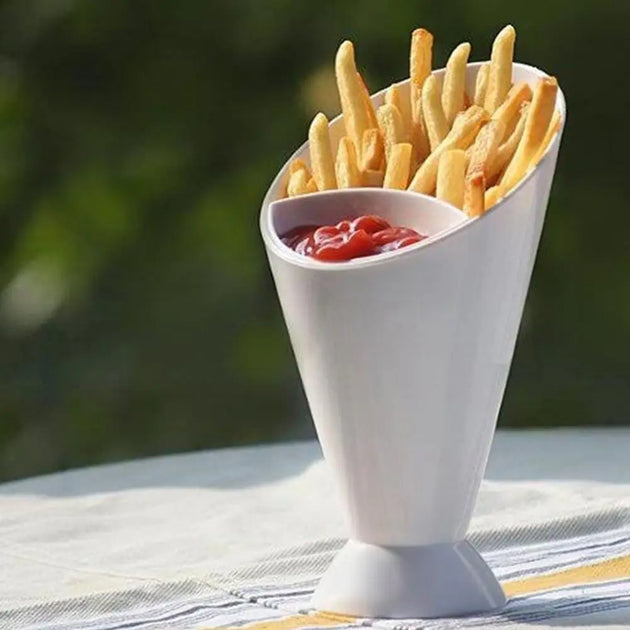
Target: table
pixel 227 537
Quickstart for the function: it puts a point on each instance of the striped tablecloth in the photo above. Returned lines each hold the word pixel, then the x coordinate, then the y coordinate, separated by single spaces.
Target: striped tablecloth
pixel 239 537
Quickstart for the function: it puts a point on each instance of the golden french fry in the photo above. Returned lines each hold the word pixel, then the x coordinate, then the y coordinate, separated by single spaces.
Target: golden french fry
pixel 491 197
pixel 346 165
pixel 432 111
pixel 372 150
pixel 454 84
pixel 474 192
pixel 420 141
pixel 554 127
pixel 467 101
pixel 463 120
pixel 368 101
pixel 398 166
pixel 321 154
pixel 420 60
pixel 514 121
pixel 300 183
pixel 394 97
pixel 481 84
pixel 390 122
pixel 538 119
pixel 509 110
pixel 500 74
pixel 372 178
pixel 450 177
pixel 351 94
pixel 506 150
pixel 469 152
pixel 461 136
pixel 297 165
pixel 485 147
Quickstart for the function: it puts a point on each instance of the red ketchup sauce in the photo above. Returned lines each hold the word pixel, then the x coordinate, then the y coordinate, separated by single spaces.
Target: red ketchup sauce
pixel 364 236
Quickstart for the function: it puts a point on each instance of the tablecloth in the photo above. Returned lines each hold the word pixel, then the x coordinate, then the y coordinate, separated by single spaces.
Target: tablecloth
pixel 239 536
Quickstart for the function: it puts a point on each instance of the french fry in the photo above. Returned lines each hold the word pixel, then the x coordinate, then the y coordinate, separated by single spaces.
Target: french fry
pixel 500 74
pixel 372 178
pixel 368 101
pixel 372 150
pixel 454 83
pixel 390 122
pixel 554 127
pixel 491 197
pixel 468 152
pixel 420 140
pixel 434 118
pixel 321 154
pixel 461 136
pixel 506 150
pixel 467 101
pixel 470 120
pixel 538 120
pixel 485 147
pixel 300 183
pixel 420 60
pixel 351 94
pixel 394 97
pixel 481 84
pixel 346 165
pixel 450 177
pixel 398 166
pixel 474 192
pixel 297 165
pixel 512 122
pixel 508 111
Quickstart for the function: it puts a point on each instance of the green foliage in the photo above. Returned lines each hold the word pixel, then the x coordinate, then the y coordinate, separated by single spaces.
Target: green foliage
pixel 137 139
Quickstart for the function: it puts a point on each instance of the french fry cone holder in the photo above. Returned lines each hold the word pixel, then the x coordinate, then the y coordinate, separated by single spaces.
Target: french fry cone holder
pixel 404 359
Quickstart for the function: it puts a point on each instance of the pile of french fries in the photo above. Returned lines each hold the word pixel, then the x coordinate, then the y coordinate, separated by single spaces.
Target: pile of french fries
pixel 469 151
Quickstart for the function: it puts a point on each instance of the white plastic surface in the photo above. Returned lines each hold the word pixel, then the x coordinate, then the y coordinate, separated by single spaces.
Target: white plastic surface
pixel 404 360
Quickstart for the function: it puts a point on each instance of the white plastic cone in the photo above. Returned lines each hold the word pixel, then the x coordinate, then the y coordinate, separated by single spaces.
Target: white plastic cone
pixel 404 359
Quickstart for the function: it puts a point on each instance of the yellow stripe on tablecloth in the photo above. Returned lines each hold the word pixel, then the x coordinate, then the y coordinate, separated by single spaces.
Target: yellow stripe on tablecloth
pixel 294 622
pixel 614 569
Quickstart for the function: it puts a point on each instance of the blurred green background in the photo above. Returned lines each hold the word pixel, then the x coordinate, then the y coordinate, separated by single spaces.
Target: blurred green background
pixel 137 139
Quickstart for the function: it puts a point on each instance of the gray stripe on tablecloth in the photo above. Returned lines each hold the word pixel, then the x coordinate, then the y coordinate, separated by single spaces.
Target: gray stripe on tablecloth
pixel 83 609
pixel 570 527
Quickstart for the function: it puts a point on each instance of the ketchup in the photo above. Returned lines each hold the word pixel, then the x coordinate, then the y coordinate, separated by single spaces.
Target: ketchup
pixel 364 236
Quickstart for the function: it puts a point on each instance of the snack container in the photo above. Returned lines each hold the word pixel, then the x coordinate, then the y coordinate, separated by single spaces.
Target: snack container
pixel 404 359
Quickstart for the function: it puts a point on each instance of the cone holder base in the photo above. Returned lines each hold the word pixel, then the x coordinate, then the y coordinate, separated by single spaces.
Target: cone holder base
pixel 441 580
